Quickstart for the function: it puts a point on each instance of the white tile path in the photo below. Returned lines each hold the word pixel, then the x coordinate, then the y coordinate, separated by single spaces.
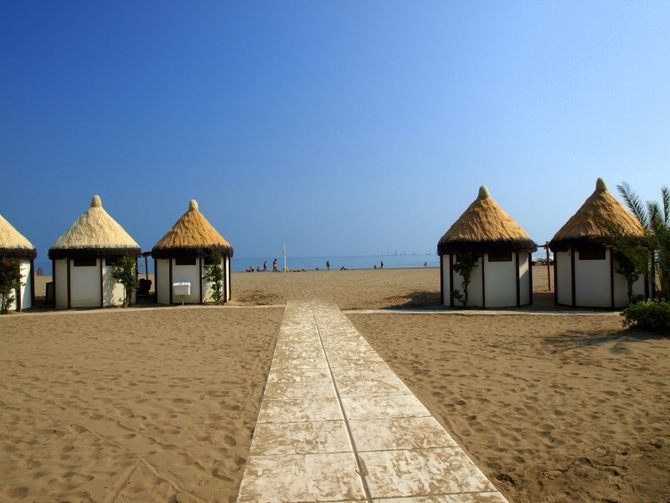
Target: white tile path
pixel 336 424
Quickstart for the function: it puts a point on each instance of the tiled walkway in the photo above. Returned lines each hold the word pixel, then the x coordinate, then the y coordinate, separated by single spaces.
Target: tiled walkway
pixel 336 424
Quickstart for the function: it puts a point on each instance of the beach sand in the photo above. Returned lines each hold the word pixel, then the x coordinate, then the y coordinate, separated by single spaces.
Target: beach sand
pixel 160 404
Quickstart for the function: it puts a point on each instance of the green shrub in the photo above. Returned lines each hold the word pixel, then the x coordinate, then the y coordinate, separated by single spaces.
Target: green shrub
pixel 652 314
pixel 10 279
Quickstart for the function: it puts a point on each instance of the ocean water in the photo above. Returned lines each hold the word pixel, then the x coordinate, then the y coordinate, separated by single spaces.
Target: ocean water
pixel 350 262
pixel 308 263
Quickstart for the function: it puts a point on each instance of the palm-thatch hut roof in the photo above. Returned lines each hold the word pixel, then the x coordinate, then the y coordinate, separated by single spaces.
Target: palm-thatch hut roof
pixel 586 228
pixel 485 227
pixel 94 235
pixel 190 236
pixel 13 243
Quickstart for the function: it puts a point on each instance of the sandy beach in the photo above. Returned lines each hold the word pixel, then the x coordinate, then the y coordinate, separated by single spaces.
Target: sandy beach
pixel 159 404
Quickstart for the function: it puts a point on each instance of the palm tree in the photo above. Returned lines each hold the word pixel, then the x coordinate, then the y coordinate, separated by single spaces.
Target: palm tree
pixel 655 218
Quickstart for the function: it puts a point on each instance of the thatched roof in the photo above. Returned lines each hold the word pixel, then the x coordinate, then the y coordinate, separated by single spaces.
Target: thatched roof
pixel 191 236
pixel 94 235
pixel 485 227
pixel 13 244
pixel 586 228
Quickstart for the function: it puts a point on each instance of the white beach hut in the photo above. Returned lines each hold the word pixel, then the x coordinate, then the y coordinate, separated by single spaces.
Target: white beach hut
pixel 181 256
pixel 14 245
pixel 584 267
pixel 503 275
pixel 83 260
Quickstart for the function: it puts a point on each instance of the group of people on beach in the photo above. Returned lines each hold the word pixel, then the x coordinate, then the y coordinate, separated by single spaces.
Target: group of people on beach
pixel 275 269
pixel 265 267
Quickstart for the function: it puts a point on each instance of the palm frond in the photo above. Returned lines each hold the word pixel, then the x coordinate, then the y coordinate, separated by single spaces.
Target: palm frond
pixel 665 198
pixel 634 203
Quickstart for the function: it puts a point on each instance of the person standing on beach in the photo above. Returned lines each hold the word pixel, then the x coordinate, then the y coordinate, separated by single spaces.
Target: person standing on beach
pixel 328 264
pixel 265 266
pixel 274 266
pixel 382 266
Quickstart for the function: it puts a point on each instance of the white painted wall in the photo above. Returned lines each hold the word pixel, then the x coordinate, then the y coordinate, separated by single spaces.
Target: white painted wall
pixel 162 281
pixel 446 286
pixel 61 280
pixel 189 273
pixel 226 260
pixel 500 277
pixel 113 292
pixel 592 282
pixel 85 288
pixel 475 287
pixel 25 288
pixel 525 283
pixel 563 284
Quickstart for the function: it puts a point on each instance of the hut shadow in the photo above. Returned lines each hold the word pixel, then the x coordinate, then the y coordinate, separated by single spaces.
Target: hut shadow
pixel 415 300
pixel 620 339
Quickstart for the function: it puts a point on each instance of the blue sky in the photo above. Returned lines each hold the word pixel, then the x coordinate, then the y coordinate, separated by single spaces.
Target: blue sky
pixel 339 128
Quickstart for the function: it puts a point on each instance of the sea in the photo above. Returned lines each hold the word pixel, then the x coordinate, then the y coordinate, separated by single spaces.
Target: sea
pixel 240 264
pixel 350 262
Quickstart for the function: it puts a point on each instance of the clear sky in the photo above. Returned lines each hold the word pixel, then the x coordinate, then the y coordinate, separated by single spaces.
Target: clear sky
pixel 339 128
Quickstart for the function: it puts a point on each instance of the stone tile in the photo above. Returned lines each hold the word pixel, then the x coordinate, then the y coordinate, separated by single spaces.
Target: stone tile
pixel 293 390
pixel 393 474
pixel 295 411
pixel 486 497
pixel 271 439
pixel 298 351
pixel 380 407
pixel 399 433
pixel 308 477
pixel 372 380
pixel 316 375
pixel 297 363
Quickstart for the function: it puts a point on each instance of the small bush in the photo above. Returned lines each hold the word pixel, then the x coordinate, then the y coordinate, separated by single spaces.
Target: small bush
pixel 652 314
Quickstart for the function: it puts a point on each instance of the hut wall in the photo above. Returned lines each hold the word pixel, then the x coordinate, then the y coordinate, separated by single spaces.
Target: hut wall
pixel 446 286
pixel 113 293
pixel 226 261
pixel 500 278
pixel 525 282
pixel 26 284
pixel 475 297
pixel 207 287
pixel 592 282
pixel 60 287
pixel 25 289
pixel 191 274
pixel 85 288
pixel 163 281
pixel 563 284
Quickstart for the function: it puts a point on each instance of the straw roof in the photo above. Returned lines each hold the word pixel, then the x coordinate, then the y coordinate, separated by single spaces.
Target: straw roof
pixel 586 227
pixel 485 227
pixel 190 236
pixel 94 235
pixel 13 243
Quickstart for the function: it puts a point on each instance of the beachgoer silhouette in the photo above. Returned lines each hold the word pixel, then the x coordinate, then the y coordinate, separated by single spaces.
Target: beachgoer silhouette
pixel 265 266
pixel 382 266
pixel 274 266
pixel 328 264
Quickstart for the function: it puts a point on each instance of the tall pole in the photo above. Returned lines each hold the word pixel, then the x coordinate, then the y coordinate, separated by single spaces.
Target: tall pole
pixel 284 253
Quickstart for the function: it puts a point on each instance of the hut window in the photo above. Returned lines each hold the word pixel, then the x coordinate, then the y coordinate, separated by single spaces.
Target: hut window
pixel 111 261
pixel 85 262
pixel 500 257
pixel 184 261
pixel 592 254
